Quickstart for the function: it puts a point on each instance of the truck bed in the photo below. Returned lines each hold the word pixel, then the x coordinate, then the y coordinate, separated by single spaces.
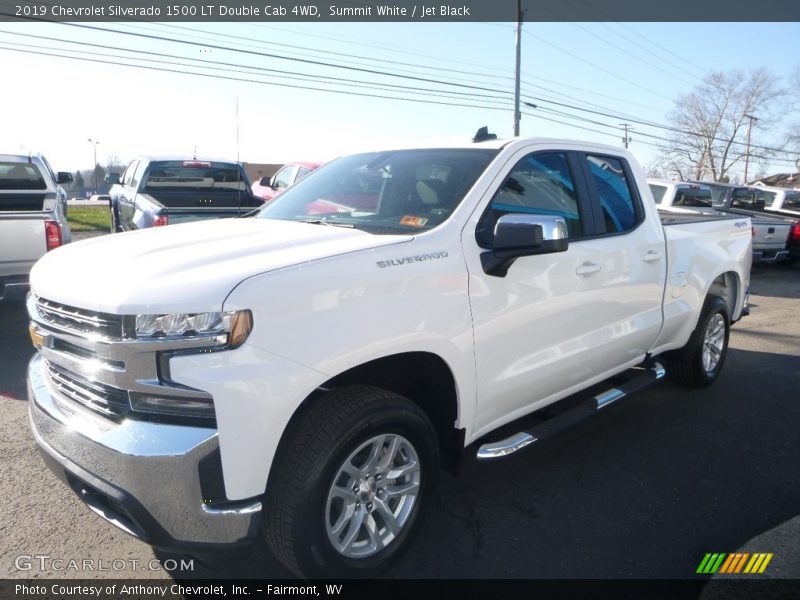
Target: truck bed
pixel 676 218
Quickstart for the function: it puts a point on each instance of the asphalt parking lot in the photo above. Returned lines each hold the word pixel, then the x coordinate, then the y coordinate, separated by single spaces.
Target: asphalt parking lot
pixel 643 490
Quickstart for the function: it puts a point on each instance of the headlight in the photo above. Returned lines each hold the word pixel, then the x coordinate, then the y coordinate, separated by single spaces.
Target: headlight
pixel 235 325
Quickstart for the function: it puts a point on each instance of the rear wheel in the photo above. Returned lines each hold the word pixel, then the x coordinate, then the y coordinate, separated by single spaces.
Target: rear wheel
pixel 700 361
pixel 349 482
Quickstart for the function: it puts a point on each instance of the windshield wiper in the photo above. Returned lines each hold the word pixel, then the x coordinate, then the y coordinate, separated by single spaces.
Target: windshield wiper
pixel 328 223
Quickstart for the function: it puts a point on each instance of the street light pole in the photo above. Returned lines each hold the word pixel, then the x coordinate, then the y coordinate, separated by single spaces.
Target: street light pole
pixel 94 167
pixel 747 147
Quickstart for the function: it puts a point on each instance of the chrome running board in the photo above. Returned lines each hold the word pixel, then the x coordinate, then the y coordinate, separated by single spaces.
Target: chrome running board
pixel 509 445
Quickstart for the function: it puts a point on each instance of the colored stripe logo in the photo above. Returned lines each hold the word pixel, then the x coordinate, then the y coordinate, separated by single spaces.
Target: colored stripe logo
pixel 737 562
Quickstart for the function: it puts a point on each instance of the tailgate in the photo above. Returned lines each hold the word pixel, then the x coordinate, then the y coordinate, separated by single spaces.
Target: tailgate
pixel 771 235
pixel 22 242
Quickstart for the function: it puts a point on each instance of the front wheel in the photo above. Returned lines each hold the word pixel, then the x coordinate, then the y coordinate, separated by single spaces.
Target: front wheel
pixel 349 482
pixel 700 361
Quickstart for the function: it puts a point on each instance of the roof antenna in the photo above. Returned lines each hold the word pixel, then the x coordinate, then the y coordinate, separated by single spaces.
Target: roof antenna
pixel 483 134
pixel 194 156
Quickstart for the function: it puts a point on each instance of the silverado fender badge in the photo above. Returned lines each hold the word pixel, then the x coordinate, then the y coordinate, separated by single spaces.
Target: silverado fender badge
pixel 396 262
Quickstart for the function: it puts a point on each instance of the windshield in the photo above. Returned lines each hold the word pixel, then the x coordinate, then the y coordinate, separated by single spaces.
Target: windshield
pixel 195 174
pixel 384 192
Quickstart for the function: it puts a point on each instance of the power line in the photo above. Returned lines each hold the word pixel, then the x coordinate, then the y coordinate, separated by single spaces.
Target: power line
pixel 372 71
pixel 605 41
pixel 280 72
pixel 301 87
pixel 332 53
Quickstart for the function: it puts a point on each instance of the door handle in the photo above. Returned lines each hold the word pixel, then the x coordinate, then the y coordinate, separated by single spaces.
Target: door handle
pixel 652 256
pixel 588 268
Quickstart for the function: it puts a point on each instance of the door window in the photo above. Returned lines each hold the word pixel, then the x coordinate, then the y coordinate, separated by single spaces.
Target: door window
pixel 621 210
pixel 127 176
pixel 283 178
pixel 539 184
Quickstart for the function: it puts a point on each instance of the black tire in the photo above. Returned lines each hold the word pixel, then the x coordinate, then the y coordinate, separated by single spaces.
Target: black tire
pixel 314 448
pixel 686 365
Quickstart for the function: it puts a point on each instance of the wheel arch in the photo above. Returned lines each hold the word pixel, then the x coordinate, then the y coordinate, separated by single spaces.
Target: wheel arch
pixel 422 377
pixel 728 286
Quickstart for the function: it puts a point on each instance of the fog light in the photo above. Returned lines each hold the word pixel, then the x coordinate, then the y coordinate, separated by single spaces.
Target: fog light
pixel 172 405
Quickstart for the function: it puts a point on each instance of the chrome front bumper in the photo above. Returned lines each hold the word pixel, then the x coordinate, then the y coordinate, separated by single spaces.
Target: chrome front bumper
pixel 147 478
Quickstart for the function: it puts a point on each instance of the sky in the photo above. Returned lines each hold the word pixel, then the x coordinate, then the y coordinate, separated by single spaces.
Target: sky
pixel 248 104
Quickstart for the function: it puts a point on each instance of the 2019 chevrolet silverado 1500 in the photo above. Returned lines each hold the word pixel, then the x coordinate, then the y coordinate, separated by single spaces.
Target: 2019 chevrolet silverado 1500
pixel 33 218
pixel 153 192
pixel 305 372
pixel 772 234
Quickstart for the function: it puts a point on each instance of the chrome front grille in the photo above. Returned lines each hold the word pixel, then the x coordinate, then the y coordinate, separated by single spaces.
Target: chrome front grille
pixel 109 402
pixel 81 320
pixel 93 360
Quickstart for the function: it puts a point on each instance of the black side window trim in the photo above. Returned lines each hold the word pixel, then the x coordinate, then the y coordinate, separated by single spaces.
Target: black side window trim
pixel 585 208
pixel 598 225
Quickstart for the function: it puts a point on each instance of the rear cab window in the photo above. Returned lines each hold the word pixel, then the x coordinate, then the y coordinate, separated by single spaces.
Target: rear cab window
pixel 21 176
pixel 791 201
pixel 693 196
pixel 193 175
pixel 751 199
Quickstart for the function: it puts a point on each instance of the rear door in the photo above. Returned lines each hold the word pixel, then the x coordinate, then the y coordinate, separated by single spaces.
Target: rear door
pixel 557 321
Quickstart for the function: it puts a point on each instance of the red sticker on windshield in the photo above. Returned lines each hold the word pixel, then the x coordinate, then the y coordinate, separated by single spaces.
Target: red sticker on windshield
pixel 413 221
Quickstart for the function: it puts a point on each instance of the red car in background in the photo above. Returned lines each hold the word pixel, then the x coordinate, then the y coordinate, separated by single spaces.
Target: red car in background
pixel 267 188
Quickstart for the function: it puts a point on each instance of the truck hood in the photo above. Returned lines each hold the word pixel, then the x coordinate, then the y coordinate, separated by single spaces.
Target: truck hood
pixel 186 268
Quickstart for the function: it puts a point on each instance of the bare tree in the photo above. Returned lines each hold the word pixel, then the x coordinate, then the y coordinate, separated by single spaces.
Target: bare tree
pixel 114 164
pixel 710 125
pixel 792 142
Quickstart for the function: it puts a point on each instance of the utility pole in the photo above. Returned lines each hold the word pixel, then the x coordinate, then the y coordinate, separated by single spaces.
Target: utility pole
pixel 747 147
pixel 517 114
pixel 626 140
pixel 94 167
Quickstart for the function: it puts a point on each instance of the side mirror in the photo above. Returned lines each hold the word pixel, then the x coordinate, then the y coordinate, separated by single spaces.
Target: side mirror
pixel 63 177
pixel 517 235
pixel 112 179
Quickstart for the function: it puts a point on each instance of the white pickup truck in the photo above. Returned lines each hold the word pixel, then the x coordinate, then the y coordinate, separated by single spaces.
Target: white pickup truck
pixel 304 373
pixel 33 218
pixel 772 233
pixel 782 200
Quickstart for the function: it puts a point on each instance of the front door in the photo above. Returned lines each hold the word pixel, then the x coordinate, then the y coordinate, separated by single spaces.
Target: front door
pixel 556 321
